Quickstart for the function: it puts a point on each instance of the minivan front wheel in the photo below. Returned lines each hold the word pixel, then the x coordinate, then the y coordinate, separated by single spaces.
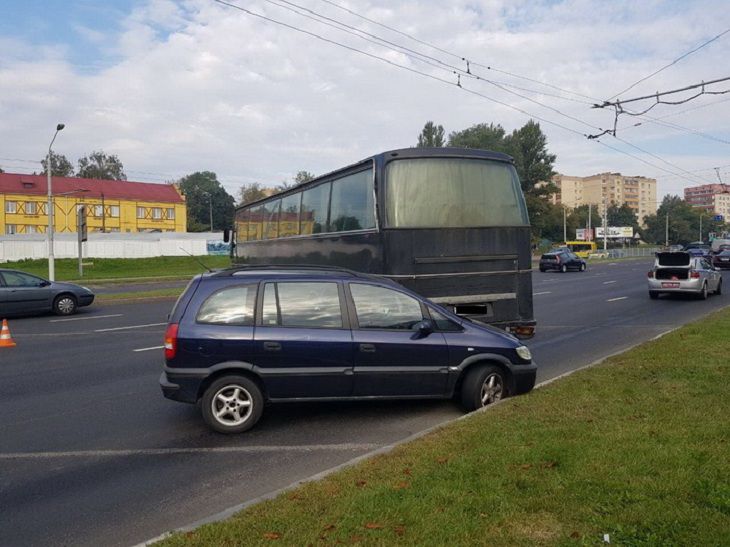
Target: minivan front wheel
pixel 483 386
pixel 232 404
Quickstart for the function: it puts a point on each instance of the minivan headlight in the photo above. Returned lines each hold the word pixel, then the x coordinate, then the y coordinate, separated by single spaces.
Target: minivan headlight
pixel 524 353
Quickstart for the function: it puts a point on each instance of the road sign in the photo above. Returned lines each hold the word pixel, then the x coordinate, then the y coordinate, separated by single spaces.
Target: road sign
pixel 718 218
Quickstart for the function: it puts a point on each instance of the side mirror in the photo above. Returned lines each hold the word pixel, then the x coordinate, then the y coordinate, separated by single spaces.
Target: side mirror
pixel 423 328
pixel 44 283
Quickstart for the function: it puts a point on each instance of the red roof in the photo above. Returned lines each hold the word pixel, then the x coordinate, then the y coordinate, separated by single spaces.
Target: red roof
pixel 13 183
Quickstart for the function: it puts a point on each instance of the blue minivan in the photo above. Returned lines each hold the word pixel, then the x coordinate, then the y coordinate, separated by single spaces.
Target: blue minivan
pixel 242 337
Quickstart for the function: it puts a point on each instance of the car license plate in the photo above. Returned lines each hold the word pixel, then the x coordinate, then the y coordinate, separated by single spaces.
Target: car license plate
pixel 724 259
pixel 667 285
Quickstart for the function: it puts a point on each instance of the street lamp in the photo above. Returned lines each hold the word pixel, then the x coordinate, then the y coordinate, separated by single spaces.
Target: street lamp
pixel 51 262
pixel 210 208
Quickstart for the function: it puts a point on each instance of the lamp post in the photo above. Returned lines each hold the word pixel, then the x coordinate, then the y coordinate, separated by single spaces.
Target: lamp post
pixel 49 168
pixel 210 208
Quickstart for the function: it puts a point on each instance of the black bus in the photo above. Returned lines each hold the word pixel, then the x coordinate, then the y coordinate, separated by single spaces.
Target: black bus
pixel 448 223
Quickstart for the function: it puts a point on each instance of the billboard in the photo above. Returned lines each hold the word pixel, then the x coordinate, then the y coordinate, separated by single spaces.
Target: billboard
pixel 616 232
pixel 584 234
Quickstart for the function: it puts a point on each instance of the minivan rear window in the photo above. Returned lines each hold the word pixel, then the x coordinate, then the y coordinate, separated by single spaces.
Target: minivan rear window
pixel 230 306
pixel 673 259
pixel 549 257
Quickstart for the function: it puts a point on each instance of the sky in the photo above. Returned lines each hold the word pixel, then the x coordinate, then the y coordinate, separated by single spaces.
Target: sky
pixel 174 87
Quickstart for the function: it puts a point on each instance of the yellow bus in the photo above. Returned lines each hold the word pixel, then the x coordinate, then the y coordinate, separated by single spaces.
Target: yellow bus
pixel 581 248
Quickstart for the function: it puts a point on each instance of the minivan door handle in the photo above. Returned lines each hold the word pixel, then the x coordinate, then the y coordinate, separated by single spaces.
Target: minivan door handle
pixel 367 348
pixel 272 346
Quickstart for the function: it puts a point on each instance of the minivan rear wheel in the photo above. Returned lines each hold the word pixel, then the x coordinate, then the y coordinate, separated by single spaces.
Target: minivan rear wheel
pixel 483 386
pixel 232 404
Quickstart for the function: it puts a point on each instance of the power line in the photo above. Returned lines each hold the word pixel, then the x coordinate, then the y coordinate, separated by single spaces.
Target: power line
pixel 454 55
pixel 661 94
pixel 442 80
pixel 671 64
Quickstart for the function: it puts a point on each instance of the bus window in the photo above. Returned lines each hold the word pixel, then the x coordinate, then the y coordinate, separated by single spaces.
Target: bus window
pixel 352 203
pixel 458 193
pixel 289 216
pixel 242 217
pixel 256 223
pixel 271 219
pixel 315 203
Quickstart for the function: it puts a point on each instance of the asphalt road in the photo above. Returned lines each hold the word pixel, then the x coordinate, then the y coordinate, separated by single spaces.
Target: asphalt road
pixel 92 454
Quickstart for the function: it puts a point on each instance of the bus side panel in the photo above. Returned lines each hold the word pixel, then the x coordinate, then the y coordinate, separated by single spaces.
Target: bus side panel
pixel 483 261
pixel 358 251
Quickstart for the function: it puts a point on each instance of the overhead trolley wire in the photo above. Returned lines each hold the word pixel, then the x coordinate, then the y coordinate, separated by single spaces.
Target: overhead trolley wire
pixel 674 62
pixel 451 83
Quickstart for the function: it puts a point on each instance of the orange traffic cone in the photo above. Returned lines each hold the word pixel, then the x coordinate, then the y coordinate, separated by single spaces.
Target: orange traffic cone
pixel 6 341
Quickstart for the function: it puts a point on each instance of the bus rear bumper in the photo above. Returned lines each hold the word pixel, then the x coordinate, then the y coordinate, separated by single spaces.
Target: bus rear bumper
pixel 523 330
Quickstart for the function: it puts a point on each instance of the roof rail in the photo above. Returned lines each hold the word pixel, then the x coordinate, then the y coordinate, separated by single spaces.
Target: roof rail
pixel 293 267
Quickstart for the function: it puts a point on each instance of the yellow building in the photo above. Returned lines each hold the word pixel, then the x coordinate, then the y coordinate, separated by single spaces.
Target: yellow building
pixel 639 193
pixel 111 205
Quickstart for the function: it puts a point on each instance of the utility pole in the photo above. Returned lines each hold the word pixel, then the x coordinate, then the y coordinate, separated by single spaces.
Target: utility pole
pixel 103 214
pixel 605 225
pixel 565 225
pixel 49 168
pixel 590 233
pixel 666 232
pixel 700 239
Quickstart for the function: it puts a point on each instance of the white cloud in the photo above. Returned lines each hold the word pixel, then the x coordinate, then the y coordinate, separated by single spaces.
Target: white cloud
pixel 196 85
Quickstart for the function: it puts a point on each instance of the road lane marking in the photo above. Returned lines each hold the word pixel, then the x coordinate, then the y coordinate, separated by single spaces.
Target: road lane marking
pixel 615 299
pixel 149 349
pixel 169 451
pixel 543 292
pixel 608 282
pixel 131 327
pixel 84 318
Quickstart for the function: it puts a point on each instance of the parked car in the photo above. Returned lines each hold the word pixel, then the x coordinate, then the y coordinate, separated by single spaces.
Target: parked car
pixel 722 259
pixel 24 294
pixel 561 261
pixel 242 337
pixel 681 272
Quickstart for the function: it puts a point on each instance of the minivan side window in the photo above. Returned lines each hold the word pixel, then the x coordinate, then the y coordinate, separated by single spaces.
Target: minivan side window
pixel 302 304
pixel 383 308
pixel 442 322
pixel 229 306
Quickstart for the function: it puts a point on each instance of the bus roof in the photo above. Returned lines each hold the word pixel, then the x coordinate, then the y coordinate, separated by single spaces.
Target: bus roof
pixel 383 157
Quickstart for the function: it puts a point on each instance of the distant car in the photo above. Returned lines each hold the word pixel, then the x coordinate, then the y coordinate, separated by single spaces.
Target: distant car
pixel 561 261
pixel 25 294
pixel 698 249
pixel 675 248
pixel 722 259
pixel 681 272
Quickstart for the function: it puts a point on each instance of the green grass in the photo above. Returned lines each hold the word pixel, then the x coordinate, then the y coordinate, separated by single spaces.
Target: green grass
pixel 637 447
pixel 162 267
pixel 139 295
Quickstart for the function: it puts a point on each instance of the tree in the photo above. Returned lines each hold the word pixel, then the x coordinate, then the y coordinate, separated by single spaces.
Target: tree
pixel 302 177
pixel 432 136
pixel 622 216
pixel 684 223
pixel 251 192
pixel 528 147
pixel 99 165
pixel 203 191
pixel 60 166
pixel 482 136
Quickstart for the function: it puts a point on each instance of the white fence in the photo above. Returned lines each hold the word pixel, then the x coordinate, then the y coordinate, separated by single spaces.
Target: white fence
pixel 113 245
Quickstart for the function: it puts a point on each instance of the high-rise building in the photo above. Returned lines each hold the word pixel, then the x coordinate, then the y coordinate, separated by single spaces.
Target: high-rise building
pixel 639 193
pixel 713 198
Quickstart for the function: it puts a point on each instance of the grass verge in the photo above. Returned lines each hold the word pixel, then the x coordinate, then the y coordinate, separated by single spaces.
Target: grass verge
pixel 160 267
pixel 139 295
pixel 636 448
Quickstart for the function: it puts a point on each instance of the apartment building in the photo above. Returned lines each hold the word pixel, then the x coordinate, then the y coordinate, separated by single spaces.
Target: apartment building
pixel 713 198
pixel 111 205
pixel 639 193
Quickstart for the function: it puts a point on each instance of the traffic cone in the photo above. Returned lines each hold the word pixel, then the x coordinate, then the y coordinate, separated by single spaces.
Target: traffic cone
pixel 6 341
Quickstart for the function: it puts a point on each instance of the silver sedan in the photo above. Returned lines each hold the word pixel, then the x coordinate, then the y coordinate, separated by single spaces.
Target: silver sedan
pixel 680 272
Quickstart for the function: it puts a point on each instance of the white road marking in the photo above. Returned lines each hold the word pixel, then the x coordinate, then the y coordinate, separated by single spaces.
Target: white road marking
pixel 131 327
pixel 543 292
pixel 149 349
pixel 85 318
pixel 169 451
pixel 615 299
pixel 608 282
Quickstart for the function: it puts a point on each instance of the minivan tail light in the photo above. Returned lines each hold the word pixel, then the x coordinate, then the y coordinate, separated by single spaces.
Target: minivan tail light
pixel 171 341
pixel 650 274
pixel 694 275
